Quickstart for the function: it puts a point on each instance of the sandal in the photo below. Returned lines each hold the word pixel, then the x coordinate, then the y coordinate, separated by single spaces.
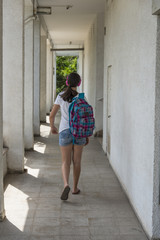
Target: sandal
pixel 77 192
pixel 65 193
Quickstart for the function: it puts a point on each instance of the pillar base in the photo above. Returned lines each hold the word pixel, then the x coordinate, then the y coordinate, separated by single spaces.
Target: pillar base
pixel 29 149
pixel 12 171
pixel 36 135
pixel 43 121
pixel 155 7
pixel 98 133
pixel 2 216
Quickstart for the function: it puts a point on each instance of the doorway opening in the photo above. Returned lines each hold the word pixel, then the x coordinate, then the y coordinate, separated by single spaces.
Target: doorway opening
pixel 64 66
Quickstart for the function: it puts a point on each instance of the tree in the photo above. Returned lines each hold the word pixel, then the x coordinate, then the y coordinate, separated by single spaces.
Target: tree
pixel 65 65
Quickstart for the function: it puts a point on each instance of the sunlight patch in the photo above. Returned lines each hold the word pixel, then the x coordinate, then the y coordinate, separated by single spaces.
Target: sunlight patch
pixel 17 206
pixel 45 131
pixel 40 147
pixel 11 190
pixel 33 172
pixel 47 119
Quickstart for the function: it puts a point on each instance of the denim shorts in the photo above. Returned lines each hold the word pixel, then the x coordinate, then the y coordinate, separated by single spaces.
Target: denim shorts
pixel 66 138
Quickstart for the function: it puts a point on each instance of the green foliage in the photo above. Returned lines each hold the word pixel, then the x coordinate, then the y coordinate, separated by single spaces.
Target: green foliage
pixel 65 65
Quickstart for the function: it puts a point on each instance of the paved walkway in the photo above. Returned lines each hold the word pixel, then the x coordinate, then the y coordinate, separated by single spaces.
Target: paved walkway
pixel 34 209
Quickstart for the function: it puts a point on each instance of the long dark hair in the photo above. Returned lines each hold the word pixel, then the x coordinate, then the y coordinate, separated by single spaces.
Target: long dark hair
pixel 73 80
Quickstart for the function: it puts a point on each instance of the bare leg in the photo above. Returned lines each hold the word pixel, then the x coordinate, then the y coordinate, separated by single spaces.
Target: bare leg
pixel 66 162
pixel 77 155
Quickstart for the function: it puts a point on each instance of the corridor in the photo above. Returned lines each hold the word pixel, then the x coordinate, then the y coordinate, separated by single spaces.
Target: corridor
pixel 117 46
pixel 34 210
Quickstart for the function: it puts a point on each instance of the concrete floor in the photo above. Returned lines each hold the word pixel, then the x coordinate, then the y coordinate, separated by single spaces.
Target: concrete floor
pixel 34 209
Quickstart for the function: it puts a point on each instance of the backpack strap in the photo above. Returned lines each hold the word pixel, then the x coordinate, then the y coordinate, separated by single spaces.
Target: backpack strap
pixel 81 95
pixel 70 109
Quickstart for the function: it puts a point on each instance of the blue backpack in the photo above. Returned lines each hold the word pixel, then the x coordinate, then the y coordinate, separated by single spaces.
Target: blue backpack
pixel 81 119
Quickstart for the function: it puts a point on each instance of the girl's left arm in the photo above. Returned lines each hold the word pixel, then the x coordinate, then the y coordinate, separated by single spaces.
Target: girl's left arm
pixel 53 113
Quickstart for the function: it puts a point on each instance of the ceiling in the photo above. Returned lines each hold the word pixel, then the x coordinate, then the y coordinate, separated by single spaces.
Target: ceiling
pixel 71 26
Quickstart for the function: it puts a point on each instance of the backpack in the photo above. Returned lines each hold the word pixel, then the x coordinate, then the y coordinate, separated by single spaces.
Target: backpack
pixel 81 119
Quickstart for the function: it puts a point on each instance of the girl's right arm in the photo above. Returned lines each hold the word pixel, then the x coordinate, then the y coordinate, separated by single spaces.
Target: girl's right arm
pixel 53 113
pixel 87 141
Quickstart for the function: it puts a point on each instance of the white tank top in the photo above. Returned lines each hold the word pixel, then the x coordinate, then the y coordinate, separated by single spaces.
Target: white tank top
pixel 64 107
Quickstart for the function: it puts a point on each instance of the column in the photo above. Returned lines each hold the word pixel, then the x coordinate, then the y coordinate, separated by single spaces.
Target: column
pixel 28 81
pixel 54 76
pixel 37 41
pixel 43 80
pixel 13 83
pixel 49 78
pixel 80 69
pixel 2 212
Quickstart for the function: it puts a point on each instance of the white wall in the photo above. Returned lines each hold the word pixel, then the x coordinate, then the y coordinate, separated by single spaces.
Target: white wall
pixel 130 45
pixel 93 68
pixel 156 195
pixel 99 72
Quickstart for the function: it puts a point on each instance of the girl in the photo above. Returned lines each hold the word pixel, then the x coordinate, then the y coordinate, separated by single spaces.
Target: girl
pixel 68 150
